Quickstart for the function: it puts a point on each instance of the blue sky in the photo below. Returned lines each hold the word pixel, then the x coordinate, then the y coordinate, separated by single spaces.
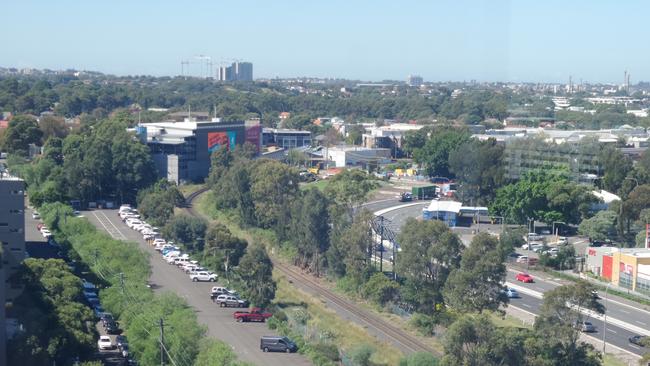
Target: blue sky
pixel 440 40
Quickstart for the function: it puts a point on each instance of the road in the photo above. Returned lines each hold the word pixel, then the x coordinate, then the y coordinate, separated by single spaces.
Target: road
pixel 244 338
pixel 624 318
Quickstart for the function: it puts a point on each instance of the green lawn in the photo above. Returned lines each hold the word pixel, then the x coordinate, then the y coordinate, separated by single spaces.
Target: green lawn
pixel 321 184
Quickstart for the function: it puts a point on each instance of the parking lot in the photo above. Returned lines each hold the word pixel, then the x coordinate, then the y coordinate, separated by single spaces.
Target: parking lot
pixel 244 338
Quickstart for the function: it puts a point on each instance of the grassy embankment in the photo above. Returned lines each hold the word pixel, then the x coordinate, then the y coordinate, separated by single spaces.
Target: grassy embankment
pixel 346 335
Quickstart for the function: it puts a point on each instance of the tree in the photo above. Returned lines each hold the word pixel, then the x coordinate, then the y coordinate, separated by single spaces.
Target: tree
pixel 309 231
pixel 414 140
pixel 188 230
pixel 478 165
pixel 220 161
pixel 349 189
pixel 434 155
pixel 474 340
pixel 560 312
pixel 355 133
pixel 21 132
pixel 600 227
pixel 638 200
pixel 477 284
pixel 222 249
pixel 616 167
pixel 380 289
pixel 543 196
pixel 350 251
pixel 53 127
pixel 430 251
pixel 273 187
pixel 256 271
pixel 213 352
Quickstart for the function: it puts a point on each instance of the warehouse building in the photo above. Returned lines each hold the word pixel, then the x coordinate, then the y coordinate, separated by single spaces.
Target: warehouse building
pixel 181 150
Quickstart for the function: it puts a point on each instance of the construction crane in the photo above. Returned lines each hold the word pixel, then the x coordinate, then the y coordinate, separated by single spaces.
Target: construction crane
pixel 208 65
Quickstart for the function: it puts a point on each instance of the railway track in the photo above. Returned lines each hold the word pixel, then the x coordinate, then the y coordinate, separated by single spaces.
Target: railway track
pixel 396 336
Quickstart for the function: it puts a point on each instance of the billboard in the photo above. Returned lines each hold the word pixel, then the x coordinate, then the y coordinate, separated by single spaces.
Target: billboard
pixel 217 139
pixel 254 136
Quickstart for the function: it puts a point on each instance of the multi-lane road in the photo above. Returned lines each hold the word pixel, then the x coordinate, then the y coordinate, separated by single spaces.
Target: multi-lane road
pixel 244 338
pixel 624 318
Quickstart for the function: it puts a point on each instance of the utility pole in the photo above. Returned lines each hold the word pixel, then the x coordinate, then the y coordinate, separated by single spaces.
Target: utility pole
pixel 161 324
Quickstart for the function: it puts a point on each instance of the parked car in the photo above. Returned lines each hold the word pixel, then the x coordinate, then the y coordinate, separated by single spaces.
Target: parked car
pixel 639 340
pixel 106 318
pixel 230 301
pixel 254 315
pixel 196 270
pixel 218 290
pixel 524 277
pixel 120 340
pixel 46 233
pixel 124 350
pixel 105 342
pixel 277 344
pixel 36 216
pixel 112 328
pixel 585 327
pixel 98 310
pixel 203 276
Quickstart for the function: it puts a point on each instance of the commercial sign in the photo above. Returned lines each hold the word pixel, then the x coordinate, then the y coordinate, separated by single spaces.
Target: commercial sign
pixel 253 136
pixel 217 139
pixel 625 268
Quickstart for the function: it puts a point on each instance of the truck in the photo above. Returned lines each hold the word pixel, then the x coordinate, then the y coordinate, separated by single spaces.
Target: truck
pixel 254 315
pixel 424 192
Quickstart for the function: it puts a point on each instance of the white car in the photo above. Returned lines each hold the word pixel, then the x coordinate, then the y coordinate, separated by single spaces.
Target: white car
pixel 190 266
pixel 172 259
pixel 203 276
pixel 196 270
pixel 46 233
pixel 105 342
pixel 35 215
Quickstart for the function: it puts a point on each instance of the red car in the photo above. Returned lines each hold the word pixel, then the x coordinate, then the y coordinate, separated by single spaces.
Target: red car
pixel 524 277
pixel 255 315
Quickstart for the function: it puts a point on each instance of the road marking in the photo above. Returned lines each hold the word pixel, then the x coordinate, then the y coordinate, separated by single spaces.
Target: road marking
pixel 526 305
pixel 113 225
pixel 634 346
pixel 609 330
pixel 624 311
pixel 104 226
pixel 642 323
pixel 620 323
pixel 381 212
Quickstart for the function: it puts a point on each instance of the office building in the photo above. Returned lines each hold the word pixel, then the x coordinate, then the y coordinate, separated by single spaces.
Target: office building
pixel 388 137
pixel 414 80
pixel 238 71
pixel 12 252
pixel 181 150
pixel 285 138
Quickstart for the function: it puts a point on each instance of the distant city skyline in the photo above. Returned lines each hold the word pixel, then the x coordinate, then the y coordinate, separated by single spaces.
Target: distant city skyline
pixel 501 40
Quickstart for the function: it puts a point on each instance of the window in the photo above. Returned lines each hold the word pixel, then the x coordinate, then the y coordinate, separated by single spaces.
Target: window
pixel 643 285
pixel 625 280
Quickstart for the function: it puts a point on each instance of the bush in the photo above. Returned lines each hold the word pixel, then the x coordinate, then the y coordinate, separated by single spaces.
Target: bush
pixel 380 289
pixel 361 355
pixel 327 350
pixel 426 324
pixel 419 359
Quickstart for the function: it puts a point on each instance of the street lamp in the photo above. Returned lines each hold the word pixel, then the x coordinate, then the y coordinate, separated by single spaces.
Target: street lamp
pixel 605 317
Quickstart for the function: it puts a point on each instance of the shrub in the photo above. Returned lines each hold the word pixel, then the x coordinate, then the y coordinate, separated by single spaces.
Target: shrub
pixel 380 289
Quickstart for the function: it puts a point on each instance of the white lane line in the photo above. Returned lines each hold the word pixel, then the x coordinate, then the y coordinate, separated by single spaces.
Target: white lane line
pixel 615 321
pixel 609 330
pixel 113 225
pixel 634 346
pixel 381 212
pixel 623 311
pixel 639 322
pixel 104 226
pixel 526 305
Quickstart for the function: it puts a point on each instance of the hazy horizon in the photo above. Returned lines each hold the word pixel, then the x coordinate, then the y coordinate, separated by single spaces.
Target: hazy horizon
pixel 486 41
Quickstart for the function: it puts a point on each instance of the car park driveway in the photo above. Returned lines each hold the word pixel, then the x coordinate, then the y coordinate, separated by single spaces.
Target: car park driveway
pixel 244 338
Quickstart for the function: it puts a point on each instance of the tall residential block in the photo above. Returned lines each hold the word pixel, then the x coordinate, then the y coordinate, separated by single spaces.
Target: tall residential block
pixel 238 71
pixel 12 238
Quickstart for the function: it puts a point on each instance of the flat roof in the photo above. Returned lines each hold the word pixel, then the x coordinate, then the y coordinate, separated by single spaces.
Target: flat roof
pixel 446 206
